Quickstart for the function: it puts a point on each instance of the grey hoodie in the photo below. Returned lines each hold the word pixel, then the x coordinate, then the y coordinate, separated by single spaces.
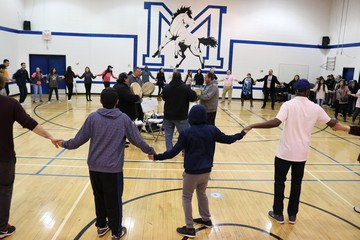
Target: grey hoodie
pixel 107 130
pixel 210 97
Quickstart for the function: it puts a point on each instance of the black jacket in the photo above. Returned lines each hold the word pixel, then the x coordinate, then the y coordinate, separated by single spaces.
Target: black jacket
pixel 272 84
pixel 127 100
pixel 177 96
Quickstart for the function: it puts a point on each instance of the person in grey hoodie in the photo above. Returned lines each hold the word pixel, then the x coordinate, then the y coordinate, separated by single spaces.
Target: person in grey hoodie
pixel 107 129
pixel 53 80
pixel 146 75
pixel 210 97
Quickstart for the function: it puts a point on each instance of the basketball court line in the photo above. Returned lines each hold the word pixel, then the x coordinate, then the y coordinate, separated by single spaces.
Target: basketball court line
pixel 70 212
pixel 178 169
pixel 330 189
pixel 181 162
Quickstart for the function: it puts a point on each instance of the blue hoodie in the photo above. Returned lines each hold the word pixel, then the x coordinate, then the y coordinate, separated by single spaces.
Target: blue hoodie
pixel 199 143
pixel 107 130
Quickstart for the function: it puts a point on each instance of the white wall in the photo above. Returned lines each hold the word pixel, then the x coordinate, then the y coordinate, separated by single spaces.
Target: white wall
pixel 281 21
pixel 345 29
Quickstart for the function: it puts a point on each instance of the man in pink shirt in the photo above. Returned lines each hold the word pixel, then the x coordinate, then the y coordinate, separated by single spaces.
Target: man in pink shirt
pixel 300 116
pixel 228 86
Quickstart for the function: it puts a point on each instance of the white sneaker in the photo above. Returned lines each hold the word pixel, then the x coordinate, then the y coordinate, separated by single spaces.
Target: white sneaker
pixel 59 101
pixel 69 100
pixel 49 102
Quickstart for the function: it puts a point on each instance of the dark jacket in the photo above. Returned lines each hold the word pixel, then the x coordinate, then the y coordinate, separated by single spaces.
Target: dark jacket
pixel 199 79
pixel 127 100
pixel 199 143
pixel 88 77
pixel 274 81
pixel 21 76
pixel 14 112
pixel 177 96
pixel 69 77
pixel 160 79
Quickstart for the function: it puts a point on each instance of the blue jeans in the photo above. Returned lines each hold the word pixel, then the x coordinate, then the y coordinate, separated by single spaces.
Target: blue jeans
pixel 37 90
pixel 169 127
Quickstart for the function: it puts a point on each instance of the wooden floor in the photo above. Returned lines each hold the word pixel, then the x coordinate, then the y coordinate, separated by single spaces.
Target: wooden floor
pixel 53 199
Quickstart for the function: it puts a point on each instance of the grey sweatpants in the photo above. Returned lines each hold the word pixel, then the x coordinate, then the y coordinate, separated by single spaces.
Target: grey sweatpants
pixel 190 183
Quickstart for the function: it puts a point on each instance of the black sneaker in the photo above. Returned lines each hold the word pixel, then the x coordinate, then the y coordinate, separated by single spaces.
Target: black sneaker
pixel 187 232
pixel 8 231
pixel 292 219
pixel 102 231
pixel 278 218
pixel 123 232
pixel 201 222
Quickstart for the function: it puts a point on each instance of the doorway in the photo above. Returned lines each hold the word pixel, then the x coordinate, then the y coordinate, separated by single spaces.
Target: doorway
pixel 348 73
pixel 45 62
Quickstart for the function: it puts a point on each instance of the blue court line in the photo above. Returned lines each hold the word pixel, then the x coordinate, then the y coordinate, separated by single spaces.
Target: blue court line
pixel 51 160
pixel 180 179
pixel 181 162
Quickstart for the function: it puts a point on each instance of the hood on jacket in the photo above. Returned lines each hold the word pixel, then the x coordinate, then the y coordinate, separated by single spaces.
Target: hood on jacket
pixel 197 115
pixel 109 113
pixel 176 80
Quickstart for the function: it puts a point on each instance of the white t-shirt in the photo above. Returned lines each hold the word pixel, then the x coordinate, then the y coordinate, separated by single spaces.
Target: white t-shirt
pixel 300 116
pixel 228 80
pixel 268 83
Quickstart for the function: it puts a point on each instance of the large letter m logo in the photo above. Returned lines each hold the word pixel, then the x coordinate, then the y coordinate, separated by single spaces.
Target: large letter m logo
pixel 178 30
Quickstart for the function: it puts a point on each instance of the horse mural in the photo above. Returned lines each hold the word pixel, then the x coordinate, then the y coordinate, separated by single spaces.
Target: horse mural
pixel 183 38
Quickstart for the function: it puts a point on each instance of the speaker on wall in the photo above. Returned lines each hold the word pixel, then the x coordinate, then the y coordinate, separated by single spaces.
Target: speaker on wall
pixel 27 25
pixel 325 41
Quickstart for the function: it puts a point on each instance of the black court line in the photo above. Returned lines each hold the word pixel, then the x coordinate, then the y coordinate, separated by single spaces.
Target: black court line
pixel 323 129
pixel 45 121
pixel 180 179
pixel 79 235
pixel 49 120
pixel 238 225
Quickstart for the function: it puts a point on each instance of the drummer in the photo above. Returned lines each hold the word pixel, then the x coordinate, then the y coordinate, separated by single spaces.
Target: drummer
pixel 135 77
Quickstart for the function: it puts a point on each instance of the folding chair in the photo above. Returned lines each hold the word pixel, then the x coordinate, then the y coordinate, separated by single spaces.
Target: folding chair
pixel 151 118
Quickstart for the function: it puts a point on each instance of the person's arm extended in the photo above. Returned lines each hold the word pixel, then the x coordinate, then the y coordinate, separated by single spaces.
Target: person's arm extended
pixel 39 130
pixel 228 139
pixel 268 124
pixel 172 152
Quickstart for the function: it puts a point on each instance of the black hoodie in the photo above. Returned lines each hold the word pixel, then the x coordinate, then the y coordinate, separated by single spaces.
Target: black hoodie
pixel 177 96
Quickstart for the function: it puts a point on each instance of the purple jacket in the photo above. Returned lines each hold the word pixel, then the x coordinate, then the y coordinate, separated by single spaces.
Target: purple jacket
pixel 107 130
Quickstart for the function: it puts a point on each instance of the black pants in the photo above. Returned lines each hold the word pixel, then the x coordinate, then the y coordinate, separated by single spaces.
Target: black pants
pixel 140 113
pixel 88 91
pixel 340 108
pixel 7 89
pixel 7 177
pixel 211 118
pixel 56 93
pixel 268 92
pixel 108 190
pixel 297 172
pixel 160 88
pixel 355 114
pixel 106 84
pixel 23 93
pixel 70 87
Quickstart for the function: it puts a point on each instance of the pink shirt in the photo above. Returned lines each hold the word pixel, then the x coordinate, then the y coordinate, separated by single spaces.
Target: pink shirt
pixel 228 80
pixel 358 99
pixel 107 76
pixel 300 116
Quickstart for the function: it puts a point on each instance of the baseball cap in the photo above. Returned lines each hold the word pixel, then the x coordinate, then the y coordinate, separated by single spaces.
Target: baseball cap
pixel 302 85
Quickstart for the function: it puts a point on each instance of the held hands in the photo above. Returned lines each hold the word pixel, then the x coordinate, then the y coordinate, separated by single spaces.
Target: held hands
pixel 151 157
pixel 247 129
pixel 57 142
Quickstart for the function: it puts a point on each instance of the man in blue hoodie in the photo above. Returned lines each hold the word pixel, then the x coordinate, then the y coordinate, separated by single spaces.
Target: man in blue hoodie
pixel 199 144
pixel 107 129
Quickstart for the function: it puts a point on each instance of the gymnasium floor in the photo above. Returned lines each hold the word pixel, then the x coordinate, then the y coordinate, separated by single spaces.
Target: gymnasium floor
pixel 53 199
